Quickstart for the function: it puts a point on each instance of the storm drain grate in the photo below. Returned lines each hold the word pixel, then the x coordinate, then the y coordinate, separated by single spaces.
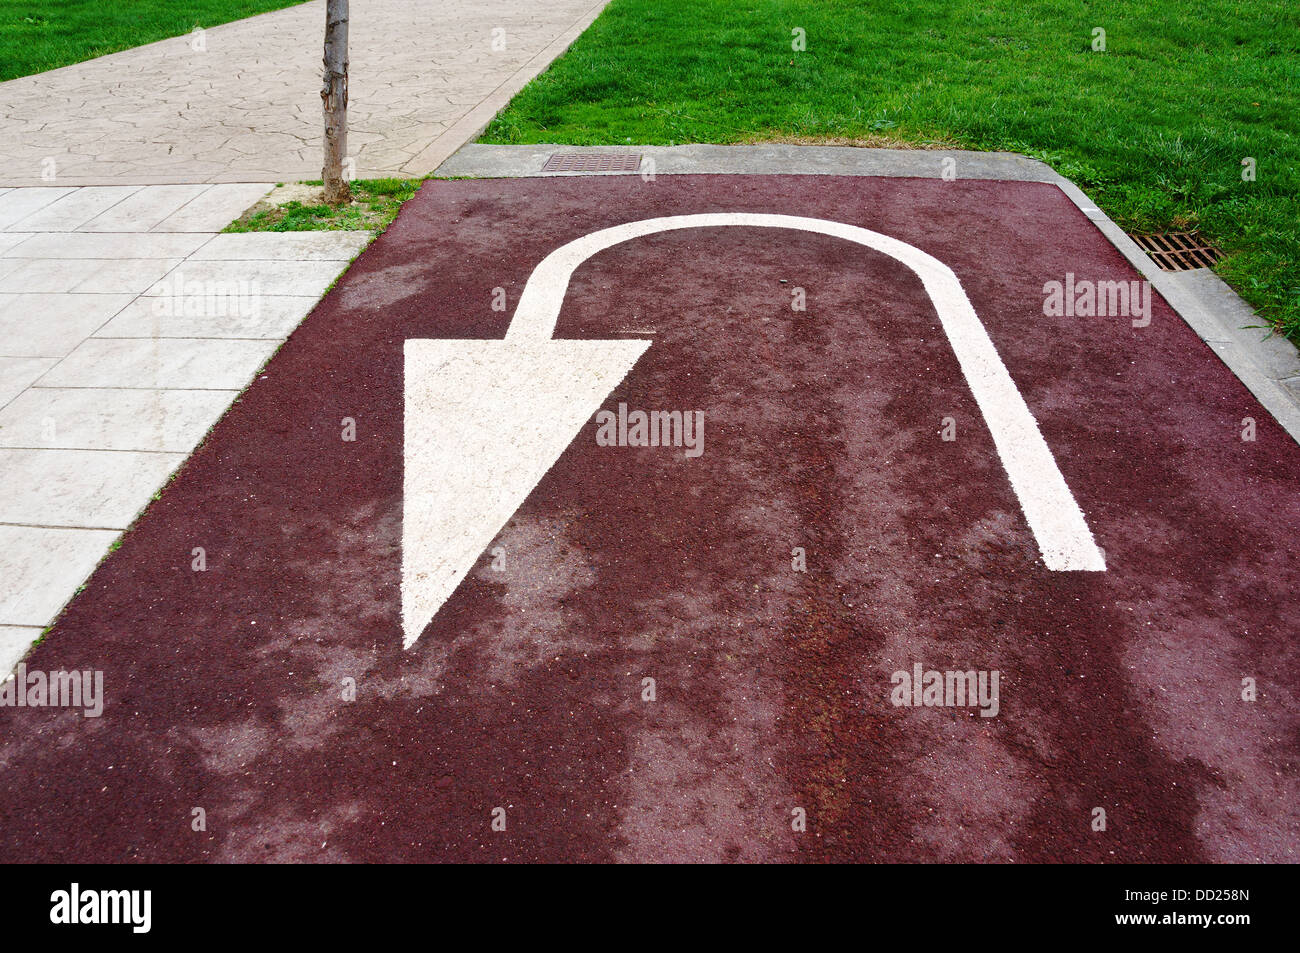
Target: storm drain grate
pixel 1178 251
pixel 593 162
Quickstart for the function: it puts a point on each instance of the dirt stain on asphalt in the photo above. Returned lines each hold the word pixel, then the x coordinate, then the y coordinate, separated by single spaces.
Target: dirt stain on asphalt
pixel 524 699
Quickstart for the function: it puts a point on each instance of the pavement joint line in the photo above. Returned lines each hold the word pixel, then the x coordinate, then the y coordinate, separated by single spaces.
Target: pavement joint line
pixel 109 306
pixel 91 258
pixel 101 449
pixel 174 229
pixel 184 205
pixel 219 390
pixel 161 390
pixel 60 359
pixel 176 337
pixel 44 208
pixel 1243 355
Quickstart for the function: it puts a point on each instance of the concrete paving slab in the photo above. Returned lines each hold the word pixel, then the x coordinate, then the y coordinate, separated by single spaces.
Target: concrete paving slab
pixel 169 363
pixel 43 276
pixel 120 245
pixel 9 241
pixel 145 209
pixel 258 277
pixel 215 208
pixel 300 246
pixel 182 358
pixel 127 275
pixel 42 567
pixel 84 275
pixel 77 208
pixel 17 204
pixel 15 641
pixel 93 450
pixel 267 316
pixel 95 489
pixel 52 325
pixel 18 373
pixel 169 421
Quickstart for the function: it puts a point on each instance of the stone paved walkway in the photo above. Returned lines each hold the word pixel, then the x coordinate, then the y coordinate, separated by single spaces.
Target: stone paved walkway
pixel 127 323
pixel 424 78
pixel 127 327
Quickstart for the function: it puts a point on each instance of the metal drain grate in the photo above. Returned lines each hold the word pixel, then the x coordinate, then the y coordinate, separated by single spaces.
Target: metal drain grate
pixel 1178 251
pixel 593 162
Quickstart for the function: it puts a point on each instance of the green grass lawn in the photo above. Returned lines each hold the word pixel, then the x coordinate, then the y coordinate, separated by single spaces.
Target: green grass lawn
pixel 38 35
pixel 1155 128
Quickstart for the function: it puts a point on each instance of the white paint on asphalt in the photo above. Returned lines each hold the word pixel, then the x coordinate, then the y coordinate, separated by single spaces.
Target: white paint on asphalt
pixel 484 422
pixel 474 449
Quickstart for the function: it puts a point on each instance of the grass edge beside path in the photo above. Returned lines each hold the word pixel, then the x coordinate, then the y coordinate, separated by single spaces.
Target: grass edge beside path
pixel 1155 127
pixel 41 35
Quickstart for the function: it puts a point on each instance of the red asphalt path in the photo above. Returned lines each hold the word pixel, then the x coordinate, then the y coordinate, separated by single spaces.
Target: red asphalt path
pixel 1119 690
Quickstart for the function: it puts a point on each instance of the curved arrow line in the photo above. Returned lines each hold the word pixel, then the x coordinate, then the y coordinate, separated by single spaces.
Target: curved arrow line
pixel 1063 536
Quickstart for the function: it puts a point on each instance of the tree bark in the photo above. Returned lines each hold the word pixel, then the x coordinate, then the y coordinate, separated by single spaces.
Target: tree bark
pixel 334 95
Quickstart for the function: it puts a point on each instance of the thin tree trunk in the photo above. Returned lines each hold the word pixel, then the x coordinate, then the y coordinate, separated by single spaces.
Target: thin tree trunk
pixel 334 94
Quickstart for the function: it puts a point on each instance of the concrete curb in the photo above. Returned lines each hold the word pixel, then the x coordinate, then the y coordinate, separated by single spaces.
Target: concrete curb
pixel 1267 364
pixel 488 161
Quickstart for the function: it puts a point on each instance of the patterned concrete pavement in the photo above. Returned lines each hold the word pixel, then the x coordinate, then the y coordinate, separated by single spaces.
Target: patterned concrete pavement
pixel 241 102
pixel 127 327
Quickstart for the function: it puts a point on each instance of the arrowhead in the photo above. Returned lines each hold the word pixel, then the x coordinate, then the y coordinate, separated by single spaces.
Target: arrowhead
pixel 485 421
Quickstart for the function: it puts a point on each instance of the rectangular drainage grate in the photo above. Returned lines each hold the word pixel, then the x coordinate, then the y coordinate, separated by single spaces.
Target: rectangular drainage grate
pixel 593 162
pixel 1178 251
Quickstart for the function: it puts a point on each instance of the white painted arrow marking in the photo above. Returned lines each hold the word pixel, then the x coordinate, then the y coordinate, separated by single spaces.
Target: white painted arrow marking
pixel 485 420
